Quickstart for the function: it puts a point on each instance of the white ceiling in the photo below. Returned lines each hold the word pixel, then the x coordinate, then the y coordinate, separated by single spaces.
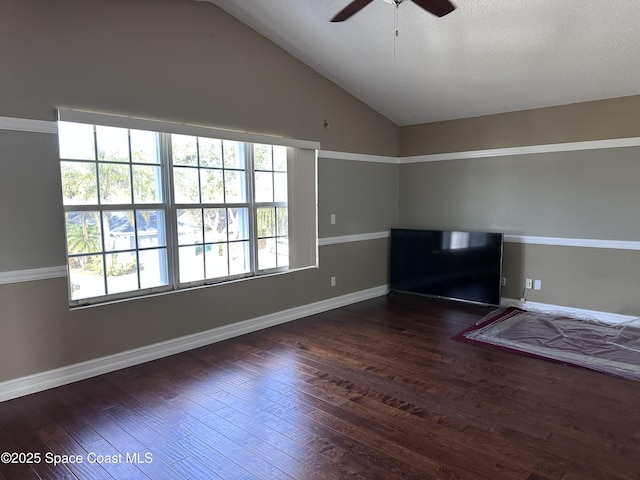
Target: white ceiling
pixel 487 56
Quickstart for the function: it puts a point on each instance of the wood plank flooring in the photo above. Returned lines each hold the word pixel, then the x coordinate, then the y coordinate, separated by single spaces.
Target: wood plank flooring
pixel 375 390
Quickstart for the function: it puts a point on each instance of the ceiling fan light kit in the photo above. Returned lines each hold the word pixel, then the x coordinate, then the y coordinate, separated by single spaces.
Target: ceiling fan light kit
pixel 439 8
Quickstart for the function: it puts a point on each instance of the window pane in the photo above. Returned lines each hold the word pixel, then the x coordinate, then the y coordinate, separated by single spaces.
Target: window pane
pixel 266 222
pixel 233 154
pixel 115 183
pixel 113 144
pixel 212 186
pixel 185 185
pixel 264 186
pixel 122 272
pixel 86 276
pixel 145 146
pixel 282 221
pixel 280 158
pixel 238 223
pixel 239 260
pixel 215 225
pixel 189 226
pixel 262 158
pixel 147 184
pixel 118 230
pixel 235 186
pixel 153 268
pixel 83 232
pixel 79 183
pixel 184 150
pixel 191 261
pixel 280 193
pixel 267 253
pixel 151 228
pixel 76 141
pixel 210 152
pixel 282 251
pixel 216 260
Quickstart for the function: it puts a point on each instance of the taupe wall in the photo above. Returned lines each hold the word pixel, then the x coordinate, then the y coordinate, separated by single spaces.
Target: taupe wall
pixel 173 60
pixel 599 279
pixel 363 196
pixel 584 194
pixel 588 194
pixel 599 120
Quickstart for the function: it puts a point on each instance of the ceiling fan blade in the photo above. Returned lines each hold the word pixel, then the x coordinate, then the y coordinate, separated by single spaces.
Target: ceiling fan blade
pixel 351 9
pixel 438 7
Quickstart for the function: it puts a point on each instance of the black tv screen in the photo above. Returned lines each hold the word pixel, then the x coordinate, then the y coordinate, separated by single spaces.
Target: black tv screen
pixel 450 264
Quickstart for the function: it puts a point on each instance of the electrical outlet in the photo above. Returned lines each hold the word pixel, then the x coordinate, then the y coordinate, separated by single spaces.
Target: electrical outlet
pixel 528 283
pixel 333 219
pixel 537 284
pixel 333 281
pixel 504 281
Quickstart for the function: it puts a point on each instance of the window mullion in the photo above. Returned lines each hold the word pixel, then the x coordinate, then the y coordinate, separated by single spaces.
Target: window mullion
pixel 253 212
pixel 137 246
pixel 171 222
pixel 103 254
pixel 134 210
pixel 202 222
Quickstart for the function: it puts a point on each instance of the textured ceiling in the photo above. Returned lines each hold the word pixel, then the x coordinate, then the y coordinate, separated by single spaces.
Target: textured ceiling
pixel 488 56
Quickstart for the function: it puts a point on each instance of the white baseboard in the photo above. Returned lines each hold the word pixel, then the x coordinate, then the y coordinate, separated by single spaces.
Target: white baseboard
pixel 605 317
pixel 72 373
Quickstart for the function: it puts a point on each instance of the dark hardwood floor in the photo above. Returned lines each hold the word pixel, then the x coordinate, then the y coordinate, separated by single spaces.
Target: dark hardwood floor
pixel 375 390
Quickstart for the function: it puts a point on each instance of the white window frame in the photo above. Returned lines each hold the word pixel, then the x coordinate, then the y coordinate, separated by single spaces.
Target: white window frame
pixel 304 230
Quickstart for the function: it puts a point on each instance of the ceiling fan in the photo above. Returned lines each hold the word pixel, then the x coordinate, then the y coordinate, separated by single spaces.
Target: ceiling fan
pixel 437 7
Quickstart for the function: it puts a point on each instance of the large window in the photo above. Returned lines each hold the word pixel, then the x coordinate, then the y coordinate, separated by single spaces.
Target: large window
pixel 150 210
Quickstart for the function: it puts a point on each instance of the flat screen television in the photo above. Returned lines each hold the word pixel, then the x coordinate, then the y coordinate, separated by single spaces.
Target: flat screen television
pixel 456 265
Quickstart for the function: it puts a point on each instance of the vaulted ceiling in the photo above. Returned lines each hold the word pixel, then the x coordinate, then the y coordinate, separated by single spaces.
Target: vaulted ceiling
pixel 487 56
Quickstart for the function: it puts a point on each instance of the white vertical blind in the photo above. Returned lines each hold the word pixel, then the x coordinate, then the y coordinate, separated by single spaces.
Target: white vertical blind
pixel 303 207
